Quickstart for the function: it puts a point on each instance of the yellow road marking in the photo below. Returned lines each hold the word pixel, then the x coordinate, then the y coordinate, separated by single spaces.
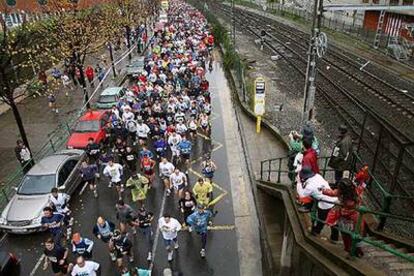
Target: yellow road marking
pixel 225 227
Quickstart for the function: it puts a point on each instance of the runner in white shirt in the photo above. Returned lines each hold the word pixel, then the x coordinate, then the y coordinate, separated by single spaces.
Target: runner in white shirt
pixel 179 181
pixel 85 268
pixel 127 115
pixel 181 128
pixel 166 170
pixel 169 228
pixel 115 171
pixel 173 142
pixel 142 132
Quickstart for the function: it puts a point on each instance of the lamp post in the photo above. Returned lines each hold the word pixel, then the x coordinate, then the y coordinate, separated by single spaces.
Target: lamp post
pixel 310 87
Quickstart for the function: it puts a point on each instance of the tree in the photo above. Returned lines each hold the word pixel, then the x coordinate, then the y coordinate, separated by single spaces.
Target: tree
pixel 21 50
pixel 78 34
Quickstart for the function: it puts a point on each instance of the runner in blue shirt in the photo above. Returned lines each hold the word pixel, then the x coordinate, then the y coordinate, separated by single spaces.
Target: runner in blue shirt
pixel 53 223
pixel 185 147
pixel 199 222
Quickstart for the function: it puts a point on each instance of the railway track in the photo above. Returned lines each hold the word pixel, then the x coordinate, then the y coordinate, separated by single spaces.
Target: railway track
pixel 341 86
pixel 385 101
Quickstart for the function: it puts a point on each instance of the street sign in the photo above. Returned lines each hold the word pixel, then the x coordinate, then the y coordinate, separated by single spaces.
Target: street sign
pixel 259 100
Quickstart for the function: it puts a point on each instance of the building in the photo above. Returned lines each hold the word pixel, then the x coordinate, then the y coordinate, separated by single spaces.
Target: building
pixel 15 12
pixel 395 23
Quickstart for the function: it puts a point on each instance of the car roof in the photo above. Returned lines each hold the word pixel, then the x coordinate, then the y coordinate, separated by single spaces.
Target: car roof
pixel 92 115
pixel 111 91
pixel 48 165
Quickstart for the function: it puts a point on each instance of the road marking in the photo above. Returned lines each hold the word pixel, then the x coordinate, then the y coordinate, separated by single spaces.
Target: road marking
pixel 212 183
pixel 157 234
pixel 225 227
pixel 83 188
pixel 37 265
pixel 2 239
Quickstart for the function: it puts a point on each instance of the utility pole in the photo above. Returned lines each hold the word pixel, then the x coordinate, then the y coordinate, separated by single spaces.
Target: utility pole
pixel 310 88
pixel 234 24
pixel 111 56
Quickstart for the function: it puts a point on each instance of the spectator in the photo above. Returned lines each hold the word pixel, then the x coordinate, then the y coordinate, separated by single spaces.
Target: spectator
pixel 90 75
pixel 312 185
pixel 341 158
pixel 24 156
pixel 310 158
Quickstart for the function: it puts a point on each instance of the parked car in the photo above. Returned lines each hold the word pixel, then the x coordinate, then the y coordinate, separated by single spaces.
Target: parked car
pixel 90 125
pixel 135 67
pixel 23 213
pixel 9 264
pixel 109 97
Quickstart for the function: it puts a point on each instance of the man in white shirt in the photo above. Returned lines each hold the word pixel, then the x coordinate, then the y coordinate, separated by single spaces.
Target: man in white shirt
pixel 142 132
pixel 169 228
pixel 127 115
pixel 312 185
pixel 173 142
pixel 114 171
pixel 85 268
pixel 179 181
pixel 166 169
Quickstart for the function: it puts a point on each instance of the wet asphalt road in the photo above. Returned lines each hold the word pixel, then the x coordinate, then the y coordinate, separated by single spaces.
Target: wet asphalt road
pixel 222 256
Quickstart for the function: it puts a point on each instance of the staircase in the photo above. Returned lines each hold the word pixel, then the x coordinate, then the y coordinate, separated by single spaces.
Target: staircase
pixel 383 252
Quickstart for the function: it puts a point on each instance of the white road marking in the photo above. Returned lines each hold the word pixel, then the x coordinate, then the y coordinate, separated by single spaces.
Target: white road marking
pixel 157 234
pixel 83 188
pixel 2 239
pixel 37 265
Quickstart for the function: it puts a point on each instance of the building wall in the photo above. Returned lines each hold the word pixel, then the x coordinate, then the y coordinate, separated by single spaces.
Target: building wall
pixel 394 23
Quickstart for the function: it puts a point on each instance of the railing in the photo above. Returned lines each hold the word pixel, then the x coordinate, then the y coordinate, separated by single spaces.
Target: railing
pixel 276 170
pixel 357 235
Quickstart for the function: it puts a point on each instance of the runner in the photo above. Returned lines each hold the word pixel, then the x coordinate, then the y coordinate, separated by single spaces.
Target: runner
pixel 208 168
pixel 92 151
pixel 56 256
pixel 124 214
pixel 179 182
pixel 103 230
pixel 85 268
pixel 53 223
pixel 185 147
pixel 121 246
pixel 139 188
pixel 187 206
pixel 82 246
pixel 148 168
pixel 169 228
pixel 88 173
pixel 166 169
pixel 199 221
pixel 203 191
pixel 145 219
pixel 115 171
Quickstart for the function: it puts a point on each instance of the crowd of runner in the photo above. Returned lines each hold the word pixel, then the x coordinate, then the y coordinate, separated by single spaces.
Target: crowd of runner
pixel 152 134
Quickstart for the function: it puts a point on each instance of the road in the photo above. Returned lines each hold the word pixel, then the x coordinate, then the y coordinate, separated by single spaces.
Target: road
pixel 222 254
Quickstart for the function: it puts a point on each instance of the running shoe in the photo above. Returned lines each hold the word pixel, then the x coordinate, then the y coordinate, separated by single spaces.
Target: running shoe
pixel 203 253
pixel 149 258
pixel 176 246
pixel 170 256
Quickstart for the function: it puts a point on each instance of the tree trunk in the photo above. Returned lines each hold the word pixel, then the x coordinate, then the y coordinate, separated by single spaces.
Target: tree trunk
pixel 19 123
pixel 83 83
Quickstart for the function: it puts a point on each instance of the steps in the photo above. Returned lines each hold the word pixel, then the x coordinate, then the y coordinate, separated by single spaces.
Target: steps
pixel 386 261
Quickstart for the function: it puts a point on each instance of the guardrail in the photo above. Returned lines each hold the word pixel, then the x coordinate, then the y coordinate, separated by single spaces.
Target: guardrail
pixel 275 170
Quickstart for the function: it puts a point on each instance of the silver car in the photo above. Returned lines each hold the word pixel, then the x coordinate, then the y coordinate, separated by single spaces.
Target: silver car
pixel 24 211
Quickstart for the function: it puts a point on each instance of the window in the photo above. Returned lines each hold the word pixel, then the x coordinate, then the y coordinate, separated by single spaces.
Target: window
pixel 66 170
pixel 408 2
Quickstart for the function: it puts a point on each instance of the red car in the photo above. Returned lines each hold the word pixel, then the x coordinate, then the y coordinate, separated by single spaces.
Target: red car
pixel 91 124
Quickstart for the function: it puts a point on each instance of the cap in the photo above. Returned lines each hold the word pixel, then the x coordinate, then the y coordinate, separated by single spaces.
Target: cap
pixel 306 173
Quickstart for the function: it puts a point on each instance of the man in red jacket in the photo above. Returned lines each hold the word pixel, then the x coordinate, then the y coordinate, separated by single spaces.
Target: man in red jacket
pixel 310 157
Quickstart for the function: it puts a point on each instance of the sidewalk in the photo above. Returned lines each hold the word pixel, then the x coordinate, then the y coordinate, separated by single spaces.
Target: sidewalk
pixel 40 122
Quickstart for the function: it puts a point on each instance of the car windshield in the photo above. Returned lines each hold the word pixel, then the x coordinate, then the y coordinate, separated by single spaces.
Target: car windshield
pixel 107 99
pixel 87 126
pixel 37 184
